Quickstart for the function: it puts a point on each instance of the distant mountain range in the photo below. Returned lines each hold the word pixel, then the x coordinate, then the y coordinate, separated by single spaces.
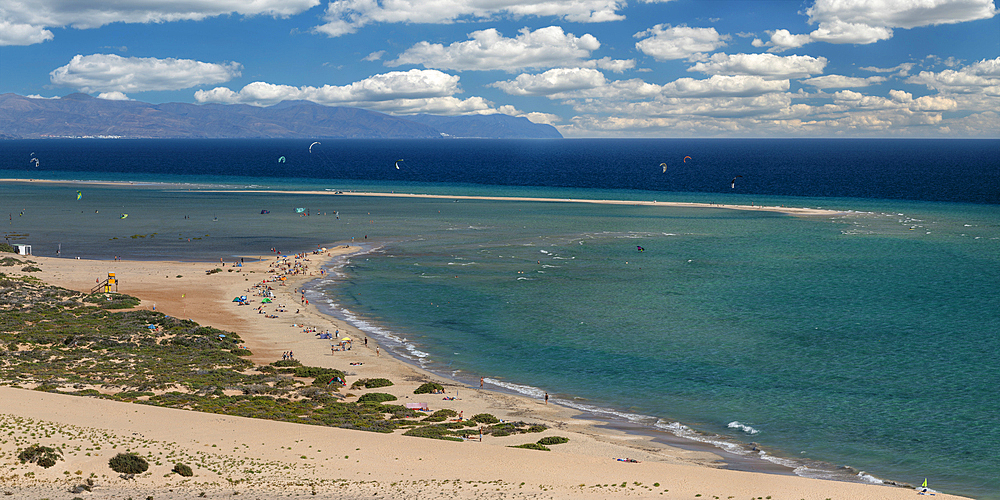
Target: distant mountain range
pixel 80 115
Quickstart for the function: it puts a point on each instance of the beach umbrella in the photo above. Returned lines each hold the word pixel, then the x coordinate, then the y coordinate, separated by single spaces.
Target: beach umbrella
pixel 265 301
pixel 236 299
pixel 345 339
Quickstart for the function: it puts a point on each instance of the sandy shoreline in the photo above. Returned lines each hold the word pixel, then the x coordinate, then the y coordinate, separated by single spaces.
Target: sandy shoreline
pixel 797 211
pixel 271 459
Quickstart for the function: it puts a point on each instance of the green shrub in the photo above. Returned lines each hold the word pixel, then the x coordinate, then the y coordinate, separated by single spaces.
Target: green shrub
pixel 551 440
pixel 30 269
pixel 321 376
pixel 242 352
pixel 432 432
pixel 316 371
pixel 286 362
pixel 531 446
pixel 183 470
pixel 4 247
pixel 429 388
pixel 440 415
pixel 42 455
pixel 376 397
pixel 484 418
pixel 371 383
pixel 112 300
pixel 128 463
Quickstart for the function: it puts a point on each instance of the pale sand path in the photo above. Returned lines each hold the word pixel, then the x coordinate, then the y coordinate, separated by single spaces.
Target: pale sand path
pixel 253 456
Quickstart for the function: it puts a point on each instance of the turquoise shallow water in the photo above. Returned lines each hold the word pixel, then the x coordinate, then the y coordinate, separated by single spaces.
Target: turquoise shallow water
pixel 865 339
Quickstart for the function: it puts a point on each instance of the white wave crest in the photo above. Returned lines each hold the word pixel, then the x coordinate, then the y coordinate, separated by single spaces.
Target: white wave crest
pixel 868 478
pixel 743 427
pixel 527 390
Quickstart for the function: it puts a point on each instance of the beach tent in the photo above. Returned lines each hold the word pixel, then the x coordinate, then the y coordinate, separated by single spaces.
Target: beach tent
pixel 266 301
pixel 237 299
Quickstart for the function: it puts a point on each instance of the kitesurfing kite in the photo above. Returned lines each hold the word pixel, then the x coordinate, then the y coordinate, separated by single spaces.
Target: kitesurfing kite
pixel 313 144
pixel 299 210
pixel 79 195
pixel 686 158
pixel 281 160
pixel 397 163
pixel 664 165
pixel 733 185
pixel 122 216
pixel 35 161
pixel 262 212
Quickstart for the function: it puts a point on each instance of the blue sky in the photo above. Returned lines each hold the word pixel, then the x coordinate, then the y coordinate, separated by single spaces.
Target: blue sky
pixel 592 68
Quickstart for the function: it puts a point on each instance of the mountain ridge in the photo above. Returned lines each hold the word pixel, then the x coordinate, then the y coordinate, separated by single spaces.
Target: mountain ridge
pixel 82 115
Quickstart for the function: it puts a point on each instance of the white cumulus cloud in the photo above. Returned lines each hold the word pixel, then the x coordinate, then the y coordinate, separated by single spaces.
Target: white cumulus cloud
pixel 110 72
pixel 976 78
pixel 868 21
pixel 608 64
pixel 769 66
pixel 396 92
pixel 841 82
pixel 587 91
pixel 900 69
pixel 489 50
pixel 347 16
pixel 26 23
pixel 724 86
pixel 664 42
pixel 781 40
pixel 20 33
pixel 900 13
pixel 113 96
pixel 553 81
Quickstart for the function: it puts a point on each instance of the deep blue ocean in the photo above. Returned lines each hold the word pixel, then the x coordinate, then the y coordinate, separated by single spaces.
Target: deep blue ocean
pixel 861 341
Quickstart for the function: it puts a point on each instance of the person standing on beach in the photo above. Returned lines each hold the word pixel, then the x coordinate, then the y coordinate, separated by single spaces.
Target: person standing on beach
pixel 480 382
pixel 546 398
pixel 377 354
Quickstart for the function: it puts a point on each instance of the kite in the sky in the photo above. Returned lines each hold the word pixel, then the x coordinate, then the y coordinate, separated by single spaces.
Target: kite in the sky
pixel 397 163
pixel 122 216
pixel 313 144
pixel 664 165
pixel 79 195
pixel 733 185
pixel 686 158
pixel 281 160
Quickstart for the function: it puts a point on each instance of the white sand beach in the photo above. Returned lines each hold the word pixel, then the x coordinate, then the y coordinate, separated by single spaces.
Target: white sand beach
pixel 256 458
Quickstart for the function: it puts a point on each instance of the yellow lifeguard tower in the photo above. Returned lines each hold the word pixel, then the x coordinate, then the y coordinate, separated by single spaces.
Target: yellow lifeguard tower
pixel 111 281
